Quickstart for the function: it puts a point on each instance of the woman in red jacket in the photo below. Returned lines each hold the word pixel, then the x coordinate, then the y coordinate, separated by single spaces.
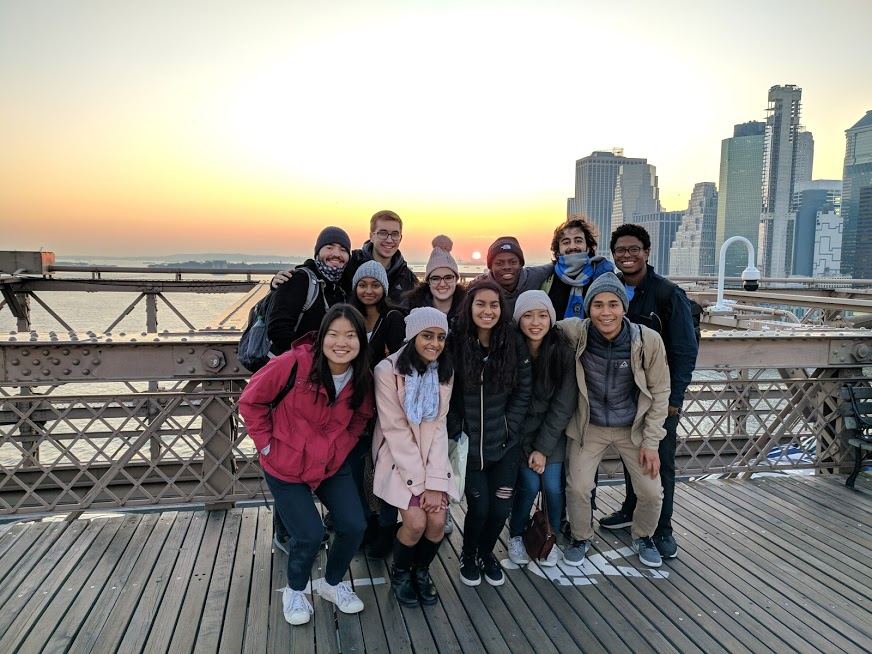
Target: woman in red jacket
pixel 304 441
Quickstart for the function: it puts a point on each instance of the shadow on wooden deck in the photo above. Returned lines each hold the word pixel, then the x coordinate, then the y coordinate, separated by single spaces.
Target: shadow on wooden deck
pixel 776 564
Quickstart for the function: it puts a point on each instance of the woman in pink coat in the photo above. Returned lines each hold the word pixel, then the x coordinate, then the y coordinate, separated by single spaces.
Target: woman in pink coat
pixel 410 449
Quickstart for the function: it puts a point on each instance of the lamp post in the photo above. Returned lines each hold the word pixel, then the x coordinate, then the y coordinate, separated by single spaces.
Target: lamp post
pixel 750 276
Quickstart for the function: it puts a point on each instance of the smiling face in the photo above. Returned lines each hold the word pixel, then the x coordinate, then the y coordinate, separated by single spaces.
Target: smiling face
pixel 571 241
pixel 442 283
pixel 430 343
pixel 535 324
pixel 333 255
pixel 506 268
pixel 369 291
pixel 630 255
pixel 340 345
pixel 386 237
pixel 485 309
pixel 607 314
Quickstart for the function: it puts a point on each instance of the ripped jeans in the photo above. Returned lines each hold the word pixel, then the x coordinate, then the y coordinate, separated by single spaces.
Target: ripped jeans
pixel 489 497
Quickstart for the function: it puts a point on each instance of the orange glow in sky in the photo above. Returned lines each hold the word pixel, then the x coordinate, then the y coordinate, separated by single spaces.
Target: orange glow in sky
pixel 161 127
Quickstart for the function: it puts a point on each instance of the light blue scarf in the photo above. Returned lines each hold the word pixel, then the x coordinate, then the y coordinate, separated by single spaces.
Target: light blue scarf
pixel 422 395
pixel 577 270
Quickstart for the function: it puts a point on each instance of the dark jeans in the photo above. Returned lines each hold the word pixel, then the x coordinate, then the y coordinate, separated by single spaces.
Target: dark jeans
pixel 489 496
pixel 356 459
pixel 666 450
pixel 529 483
pixel 296 508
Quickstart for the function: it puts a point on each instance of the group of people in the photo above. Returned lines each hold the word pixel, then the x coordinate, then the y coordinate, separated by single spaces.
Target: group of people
pixel 540 367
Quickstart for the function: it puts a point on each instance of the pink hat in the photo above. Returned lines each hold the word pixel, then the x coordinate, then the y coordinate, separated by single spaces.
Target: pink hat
pixel 441 256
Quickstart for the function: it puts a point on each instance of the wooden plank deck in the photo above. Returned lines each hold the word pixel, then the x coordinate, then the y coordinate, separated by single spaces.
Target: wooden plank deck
pixel 769 565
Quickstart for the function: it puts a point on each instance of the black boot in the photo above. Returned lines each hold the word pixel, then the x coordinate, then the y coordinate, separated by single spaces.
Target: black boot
pixel 401 575
pixel 381 544
pixel 425 552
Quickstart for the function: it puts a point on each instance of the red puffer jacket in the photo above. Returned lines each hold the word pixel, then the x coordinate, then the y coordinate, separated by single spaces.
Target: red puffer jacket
pixel 309 439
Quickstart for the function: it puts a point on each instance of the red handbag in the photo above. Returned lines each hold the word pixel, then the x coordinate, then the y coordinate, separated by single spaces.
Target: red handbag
pixel 539 538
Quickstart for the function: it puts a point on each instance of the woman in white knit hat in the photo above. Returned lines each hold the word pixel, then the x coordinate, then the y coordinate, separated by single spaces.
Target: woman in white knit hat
pixel 410 449
pixel 441 286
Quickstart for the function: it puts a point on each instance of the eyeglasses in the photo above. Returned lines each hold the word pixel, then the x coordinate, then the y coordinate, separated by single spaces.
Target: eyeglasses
pixel 633 249
pixel 384 235
pixel 435 281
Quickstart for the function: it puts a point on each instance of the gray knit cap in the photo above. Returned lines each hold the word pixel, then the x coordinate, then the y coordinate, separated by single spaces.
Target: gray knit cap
pixel 606 283
pixel 423 317
pixel 530 300
pixel 330 235
pixel 441 256
pixel 374 270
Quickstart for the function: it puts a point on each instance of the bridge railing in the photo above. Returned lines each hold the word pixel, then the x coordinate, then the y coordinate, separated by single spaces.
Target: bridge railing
pixel 111 422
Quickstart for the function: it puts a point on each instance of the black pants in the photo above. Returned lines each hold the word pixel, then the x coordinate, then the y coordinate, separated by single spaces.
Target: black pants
pixel 666 450
pixel 489 498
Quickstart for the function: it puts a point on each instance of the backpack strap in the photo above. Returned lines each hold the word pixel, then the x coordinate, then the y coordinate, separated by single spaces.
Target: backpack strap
pixel 292 378
pixel 315 288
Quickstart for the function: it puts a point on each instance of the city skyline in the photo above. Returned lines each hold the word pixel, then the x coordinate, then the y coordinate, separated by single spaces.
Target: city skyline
pixel 139 128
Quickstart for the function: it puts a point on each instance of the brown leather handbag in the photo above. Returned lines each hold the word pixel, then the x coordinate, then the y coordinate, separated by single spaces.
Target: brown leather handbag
pixel 538 536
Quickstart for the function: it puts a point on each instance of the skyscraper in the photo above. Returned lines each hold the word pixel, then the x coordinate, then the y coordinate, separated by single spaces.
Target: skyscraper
pixel 809 199
pixel 595 179
pixel 863 247
pixel 739 192
pixel 693 250
pixel 804 158
pixel 780 147
pixel 661 226
pixel 636 194
pixel 857 174
pixel 827 243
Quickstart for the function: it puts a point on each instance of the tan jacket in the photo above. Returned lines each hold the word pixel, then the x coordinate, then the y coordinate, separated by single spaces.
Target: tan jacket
pixel 409 459
pixel 650 371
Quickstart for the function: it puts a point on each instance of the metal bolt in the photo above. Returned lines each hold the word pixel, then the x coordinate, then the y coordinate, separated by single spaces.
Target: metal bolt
pixel 86 372
pixel 214 361
pixel 26 371
pixel 75 362
pixel 95 362
pixel 15 362
pixel 86 351
pixel 45 353
pixel 66 371
pixel 25 352
pixel 45 372
pixel 36 362
pixel 191 371
pixel 190 350
pixel 55 362
pixel 180 360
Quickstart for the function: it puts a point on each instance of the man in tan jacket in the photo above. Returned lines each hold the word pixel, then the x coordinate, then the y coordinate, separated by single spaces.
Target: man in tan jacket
pixel 623 381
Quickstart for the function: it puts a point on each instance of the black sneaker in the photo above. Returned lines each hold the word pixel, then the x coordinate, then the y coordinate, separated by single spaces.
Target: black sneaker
pixel 616 520
pixel 666 545
pixel 493 571
pixel 469 572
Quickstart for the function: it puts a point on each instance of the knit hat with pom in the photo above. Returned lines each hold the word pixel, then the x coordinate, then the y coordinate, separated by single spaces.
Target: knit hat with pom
pixel 441 256
pixel 423 318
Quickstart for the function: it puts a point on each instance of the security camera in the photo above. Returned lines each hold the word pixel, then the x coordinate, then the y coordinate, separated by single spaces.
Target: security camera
pixel 751 278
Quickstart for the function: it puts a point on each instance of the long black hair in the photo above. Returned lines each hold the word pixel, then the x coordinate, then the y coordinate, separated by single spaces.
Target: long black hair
pixel 548 366
pixel 502 357
pixel 422 296
pixel 361 379
pixel 409 360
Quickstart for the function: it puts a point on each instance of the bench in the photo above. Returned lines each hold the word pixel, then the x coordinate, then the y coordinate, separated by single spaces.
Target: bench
pixel 856 410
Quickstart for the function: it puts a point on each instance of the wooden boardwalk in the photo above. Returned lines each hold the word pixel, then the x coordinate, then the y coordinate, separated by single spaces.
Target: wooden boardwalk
pixel 770 565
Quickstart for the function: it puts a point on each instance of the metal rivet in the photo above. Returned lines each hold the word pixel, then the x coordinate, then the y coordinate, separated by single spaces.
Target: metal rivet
pixel 86 351
pixel 86 372
pixel 36 362
pixel 180 360
pixel 55 362
pixel 24 353
pixel 45 353
pixel 45 372
pixel 66 371
pixel 75 362
pixel 95 362
pixel 190 350
pixel 26 371
pixel 191 370
pixel 15 362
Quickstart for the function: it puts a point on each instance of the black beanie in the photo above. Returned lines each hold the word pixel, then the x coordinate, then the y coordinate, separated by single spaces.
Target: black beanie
pixel 504 244
pixel 330 235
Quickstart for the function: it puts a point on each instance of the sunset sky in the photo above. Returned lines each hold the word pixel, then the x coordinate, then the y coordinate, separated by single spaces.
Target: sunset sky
pixel 150 128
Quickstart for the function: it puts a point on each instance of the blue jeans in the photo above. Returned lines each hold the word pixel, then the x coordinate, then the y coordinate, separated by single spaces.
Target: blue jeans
pixel 525 495
pixel 298 513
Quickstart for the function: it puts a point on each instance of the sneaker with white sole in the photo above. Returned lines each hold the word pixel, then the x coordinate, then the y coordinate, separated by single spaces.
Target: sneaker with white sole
pixel 552 559
pixel 342 595
pixel 517 551
pixel 449 523
pixel 296 606
pixel 616 520
pixel 647 551
pixel 574 554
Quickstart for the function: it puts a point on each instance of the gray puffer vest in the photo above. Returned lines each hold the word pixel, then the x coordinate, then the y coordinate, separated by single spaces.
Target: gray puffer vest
pixel 612 391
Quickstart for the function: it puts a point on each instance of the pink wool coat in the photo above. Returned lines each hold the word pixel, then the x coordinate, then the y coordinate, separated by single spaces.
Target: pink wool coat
pixel 409 459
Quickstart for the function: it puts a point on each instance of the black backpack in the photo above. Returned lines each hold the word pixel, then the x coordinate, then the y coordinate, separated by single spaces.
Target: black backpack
pixel 662 297
pixel 254 344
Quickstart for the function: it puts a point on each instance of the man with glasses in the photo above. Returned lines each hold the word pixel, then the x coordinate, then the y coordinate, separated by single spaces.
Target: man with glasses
pixel 663 306
pixel 383 246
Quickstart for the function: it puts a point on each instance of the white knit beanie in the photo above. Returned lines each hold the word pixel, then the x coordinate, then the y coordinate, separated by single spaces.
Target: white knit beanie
pixel 530 300
pixel 422 318
pixel 441 256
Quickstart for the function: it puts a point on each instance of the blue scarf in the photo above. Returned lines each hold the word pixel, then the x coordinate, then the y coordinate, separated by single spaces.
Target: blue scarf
pixel 575 271
pixel 422 395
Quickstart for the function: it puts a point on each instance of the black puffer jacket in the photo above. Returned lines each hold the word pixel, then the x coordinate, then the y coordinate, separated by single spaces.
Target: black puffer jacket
pixel 400 278
pixel 550 409
pixel 288 303
pixel 490 414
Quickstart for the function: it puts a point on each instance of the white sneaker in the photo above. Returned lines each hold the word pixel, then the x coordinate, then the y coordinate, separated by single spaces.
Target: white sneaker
pixel 517 551
pixel 296 606
pixel 552 559
pixel 342 596
pixel 449 523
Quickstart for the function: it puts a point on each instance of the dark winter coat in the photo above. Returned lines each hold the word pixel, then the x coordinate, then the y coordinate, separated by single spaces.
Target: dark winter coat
pixel 288 303
pixel 489 413
pixel 400 278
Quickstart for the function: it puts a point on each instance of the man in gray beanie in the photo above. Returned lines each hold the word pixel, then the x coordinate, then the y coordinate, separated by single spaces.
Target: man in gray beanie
pixel 623 385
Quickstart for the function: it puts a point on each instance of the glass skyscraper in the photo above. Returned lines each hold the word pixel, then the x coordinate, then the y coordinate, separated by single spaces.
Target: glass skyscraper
pixel 693 251
pixel 857 175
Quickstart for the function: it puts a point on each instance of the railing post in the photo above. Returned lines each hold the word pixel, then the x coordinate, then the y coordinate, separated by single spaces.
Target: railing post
pixel 219 469
pixel 23 317
pixel 151 312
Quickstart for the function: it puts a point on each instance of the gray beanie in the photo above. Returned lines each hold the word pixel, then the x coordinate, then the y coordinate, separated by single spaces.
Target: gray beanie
pixel 606 283
pixel 530 300
pixel 441 256
pixel 423 317
pixel 371 269
pixel 330 235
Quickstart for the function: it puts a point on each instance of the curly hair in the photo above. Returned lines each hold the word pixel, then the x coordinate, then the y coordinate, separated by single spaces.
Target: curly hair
pixel 629 229
pixel 576 221
pixel 500 366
